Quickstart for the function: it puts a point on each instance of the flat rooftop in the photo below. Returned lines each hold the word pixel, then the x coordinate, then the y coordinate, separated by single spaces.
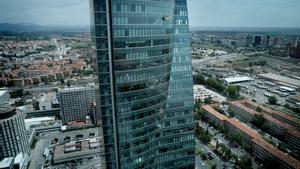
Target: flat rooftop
pixel 237 79
pixel 258 139
pixel 248 131
pixel 277 153
pixel 73 89
pixel 7 162
pixel 39 119
pixel 269 111
pixel 212 111
pixel 243 105
pixel 2 92
pixel 294 82
pixel 85 151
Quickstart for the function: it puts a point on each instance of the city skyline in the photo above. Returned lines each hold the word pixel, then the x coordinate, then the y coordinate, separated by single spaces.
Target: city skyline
pixel 271 13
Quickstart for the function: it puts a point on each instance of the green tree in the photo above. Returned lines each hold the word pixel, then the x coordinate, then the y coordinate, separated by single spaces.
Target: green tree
pixel 237 138
pixel 208 100
pixel 16 93
pixel 36 105
pixel 259 121
pixel 204 136
pixel 245 162
pixel 233 91
pixel 215 84
pixel 231 114
pixel 62 81
pixel 259 109
pixel 19 103
pixel 273 100
pixel 203 114
pixel 199 79
pixel 68 83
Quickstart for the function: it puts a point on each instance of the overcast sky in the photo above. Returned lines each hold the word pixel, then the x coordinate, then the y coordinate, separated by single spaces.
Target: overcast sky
pixel 239 13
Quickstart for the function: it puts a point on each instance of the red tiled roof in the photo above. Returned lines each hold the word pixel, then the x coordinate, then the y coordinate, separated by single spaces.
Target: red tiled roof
pixel 277 153
pixel 212 111
pixel 256 137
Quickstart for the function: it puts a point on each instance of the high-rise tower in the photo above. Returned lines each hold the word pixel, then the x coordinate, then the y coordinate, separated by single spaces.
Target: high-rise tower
pixel 13 137
pixel 145 82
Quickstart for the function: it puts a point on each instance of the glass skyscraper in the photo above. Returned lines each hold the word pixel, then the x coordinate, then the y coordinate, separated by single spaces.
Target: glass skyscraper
pixel 145 82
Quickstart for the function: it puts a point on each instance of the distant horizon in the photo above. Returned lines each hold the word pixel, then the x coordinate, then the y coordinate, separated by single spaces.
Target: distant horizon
pixel 202 13
pixel 191 26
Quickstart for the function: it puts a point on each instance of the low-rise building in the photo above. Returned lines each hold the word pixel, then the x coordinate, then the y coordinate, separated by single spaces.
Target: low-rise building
pixel 252 139
pixel 294 100
pixel 283 117
pixel 28 81
pixel 7 163
pixel 77 150
pixel 18 82
pixel 246 110
pixel 237 79
pixel 47 101
pixel 214 116
pixel 266 151
pixel 18 162
pixel 4 96
pixel 279 78
pixel 242 112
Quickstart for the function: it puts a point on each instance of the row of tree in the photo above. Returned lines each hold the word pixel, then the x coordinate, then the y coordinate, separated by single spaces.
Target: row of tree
pixel 202 134
pixel 231 91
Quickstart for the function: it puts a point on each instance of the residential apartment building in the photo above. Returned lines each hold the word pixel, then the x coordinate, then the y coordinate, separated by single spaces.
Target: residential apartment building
pixel 76 103
pixel 253 140
pixel 266 151
pixel 283 117
pixel 246 110
pixel 214 116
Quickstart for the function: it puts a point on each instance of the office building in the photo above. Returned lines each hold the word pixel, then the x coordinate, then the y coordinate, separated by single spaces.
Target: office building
pixel 77 103
pixel 145 79
pixel 294 51
pixel 77 150
pixel 13 138
pixel 257 41
pixel 249 41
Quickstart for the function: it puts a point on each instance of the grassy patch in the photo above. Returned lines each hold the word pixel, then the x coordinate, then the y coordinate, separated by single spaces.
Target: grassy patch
pixel 210 146
pixel 210 163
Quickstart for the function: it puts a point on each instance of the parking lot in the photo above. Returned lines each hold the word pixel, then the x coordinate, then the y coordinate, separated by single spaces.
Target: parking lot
pixel 259 90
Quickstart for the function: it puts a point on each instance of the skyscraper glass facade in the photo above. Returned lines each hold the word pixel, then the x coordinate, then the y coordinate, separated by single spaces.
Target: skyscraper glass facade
pixel 145 81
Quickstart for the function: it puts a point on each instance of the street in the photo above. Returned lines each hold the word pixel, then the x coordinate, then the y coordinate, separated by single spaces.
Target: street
pixel 217 135
pixel 37 158
pixel 220 137
pixel 199 145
